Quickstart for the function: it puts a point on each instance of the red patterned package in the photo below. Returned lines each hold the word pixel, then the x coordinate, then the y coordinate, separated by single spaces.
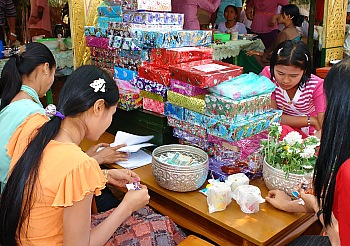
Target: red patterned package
pixel 156 74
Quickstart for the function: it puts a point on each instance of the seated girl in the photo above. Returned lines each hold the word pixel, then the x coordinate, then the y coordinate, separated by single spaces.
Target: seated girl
pixel 298 93
pixel 230 14
pixel 47 198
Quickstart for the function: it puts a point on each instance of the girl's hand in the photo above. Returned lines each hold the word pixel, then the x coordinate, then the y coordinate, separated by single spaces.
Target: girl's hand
pixel 310 201
pixel 279 199
pixel 137 199
pixel 314 122
pixel 108 155
pixel 121 177
pixel 254 52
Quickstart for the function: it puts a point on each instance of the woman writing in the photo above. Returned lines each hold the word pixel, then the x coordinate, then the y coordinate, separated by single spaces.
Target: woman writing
pixel 299 94
pixel 47 199
pixel 26 77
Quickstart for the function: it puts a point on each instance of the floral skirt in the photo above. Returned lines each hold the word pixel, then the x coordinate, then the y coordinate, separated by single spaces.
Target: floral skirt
pixel 143 227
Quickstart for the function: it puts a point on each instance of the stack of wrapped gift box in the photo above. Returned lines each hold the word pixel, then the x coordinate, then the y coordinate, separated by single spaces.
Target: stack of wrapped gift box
pixel 209 119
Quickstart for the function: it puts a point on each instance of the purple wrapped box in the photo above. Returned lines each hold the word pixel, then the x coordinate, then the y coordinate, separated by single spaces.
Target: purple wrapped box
pixel 148 85
pixel 92 41
pixel 185 88
pixel 156 18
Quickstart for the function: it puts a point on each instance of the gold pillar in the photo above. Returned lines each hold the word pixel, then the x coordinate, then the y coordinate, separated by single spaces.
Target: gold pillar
pixel 333 30
pixel 82 13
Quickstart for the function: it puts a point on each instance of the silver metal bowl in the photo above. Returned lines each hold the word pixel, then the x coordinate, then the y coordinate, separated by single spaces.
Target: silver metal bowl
pixel 180 178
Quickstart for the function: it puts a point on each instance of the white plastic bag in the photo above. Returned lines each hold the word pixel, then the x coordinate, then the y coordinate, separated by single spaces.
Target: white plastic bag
pixel 248 198
pixel 218 197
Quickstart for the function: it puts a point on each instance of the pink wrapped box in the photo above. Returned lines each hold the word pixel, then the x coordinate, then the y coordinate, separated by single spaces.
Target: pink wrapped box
pixel 153 105
pixel 166 57
pixel 92 41
pixel 205 73
pixel 125 85
pixel 186 89
pixel 156 74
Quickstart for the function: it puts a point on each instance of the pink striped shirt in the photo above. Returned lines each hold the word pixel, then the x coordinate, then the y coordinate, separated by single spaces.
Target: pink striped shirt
pixel 311 100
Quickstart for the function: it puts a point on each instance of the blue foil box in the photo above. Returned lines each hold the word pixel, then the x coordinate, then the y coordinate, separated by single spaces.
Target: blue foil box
pixel 124 74
pixel 109 11
pixel 96 31
pixel 174 111
pixel 234 131
pixel 196 118
pixel 102 21
pixel 171 39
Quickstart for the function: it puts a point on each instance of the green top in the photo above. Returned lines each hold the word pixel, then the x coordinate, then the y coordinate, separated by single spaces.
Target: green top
pixel 12 117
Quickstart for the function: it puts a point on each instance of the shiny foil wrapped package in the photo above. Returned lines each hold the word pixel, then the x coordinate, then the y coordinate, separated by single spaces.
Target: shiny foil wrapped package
pixel 156 74
pixel 126 86
pixel 102 21
pixel 195 140
pixel 149 5
pixel 156 18
pixel 109 11
pixel 124 29
pixel 196 118
pixel 174 111
pixel 171 39
pixel 234 131
pixel 195 103
pixel 185 88
pixel 236 109
pixel 205 73
pixel 92 41
pixel 129 100
pixel 187 127
pixel 96 31
pixel 152 96
pixel 150 86
pixel 103 52
pixel 166 57
pixel 153 105
pixel 124 74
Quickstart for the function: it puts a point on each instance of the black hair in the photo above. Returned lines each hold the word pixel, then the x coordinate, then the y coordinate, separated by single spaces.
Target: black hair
pixel 292 53
pixel 335 141
pixel 76 97
pixel 34 55
pixel 231 6
pixel 293 11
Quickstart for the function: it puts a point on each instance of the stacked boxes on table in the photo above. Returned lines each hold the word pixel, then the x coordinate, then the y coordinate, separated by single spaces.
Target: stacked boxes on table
pixel 207 120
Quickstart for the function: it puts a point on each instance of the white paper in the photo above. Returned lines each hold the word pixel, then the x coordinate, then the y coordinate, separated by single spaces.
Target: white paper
pixel 134 142
pixel 209 67
pixel 134 148
pixel 137 159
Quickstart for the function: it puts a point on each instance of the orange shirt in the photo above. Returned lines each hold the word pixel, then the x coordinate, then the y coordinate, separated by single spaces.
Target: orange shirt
pixel 66 175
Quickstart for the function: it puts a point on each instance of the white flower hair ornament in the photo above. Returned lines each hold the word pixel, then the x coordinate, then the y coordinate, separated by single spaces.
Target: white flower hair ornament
pixel 98 85
pixel 51 112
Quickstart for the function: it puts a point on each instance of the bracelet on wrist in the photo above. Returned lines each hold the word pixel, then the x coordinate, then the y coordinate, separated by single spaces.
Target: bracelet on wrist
pixel 105 173
pixel 13 34
pixel 318 214
pixel 308 121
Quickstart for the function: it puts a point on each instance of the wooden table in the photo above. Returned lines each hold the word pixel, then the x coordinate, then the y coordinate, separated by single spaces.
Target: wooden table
pixel 269 226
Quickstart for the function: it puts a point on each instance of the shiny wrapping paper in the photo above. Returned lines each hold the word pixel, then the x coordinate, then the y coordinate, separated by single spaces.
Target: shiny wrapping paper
pixel 206 147
pixel 149 5
pixel 174 111
pixel 243 129
pixel 195 103
pixel 102 21
pixel 134 54
pixel 152 96
pixel 187 127
pixel 171 39
pixel 127 63
pixel 126 86
pixel 236 109
pixel 122 43
pixel 196 118
pixel 205 73
pixel 156 74
pixel 166 57
pixel 150 86
pixel 109 11
pixel 129 100
pixel 92 41
pixel 124 29
pixel 153 105
pixel 253 171
pixel 155 18
pixel 124 74
pixel 186 89
pixel 103 52
pixel 102 63
pixel 194 140
pixel 96 31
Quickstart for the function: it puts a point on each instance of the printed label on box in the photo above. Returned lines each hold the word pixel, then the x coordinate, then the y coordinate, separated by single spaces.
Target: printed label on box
pixel 209 67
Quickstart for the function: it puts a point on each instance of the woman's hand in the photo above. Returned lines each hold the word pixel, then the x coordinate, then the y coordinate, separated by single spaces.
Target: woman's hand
pixel 121 177
pixel 137 199
pixel 108 155
pixel 310 201
pixel 279 199
pixel 254 52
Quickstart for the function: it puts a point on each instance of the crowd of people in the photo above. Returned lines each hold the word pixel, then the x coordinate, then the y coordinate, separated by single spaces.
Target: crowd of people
pixel 47 183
